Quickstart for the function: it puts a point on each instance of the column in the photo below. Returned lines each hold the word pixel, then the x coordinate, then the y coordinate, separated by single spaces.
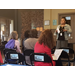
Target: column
pixel 15 22
pixel 47 17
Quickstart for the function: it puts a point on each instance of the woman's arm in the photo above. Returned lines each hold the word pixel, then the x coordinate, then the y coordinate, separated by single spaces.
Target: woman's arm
pixel 17 44
pixel 48 52
pixel 56 31
pixel 69 29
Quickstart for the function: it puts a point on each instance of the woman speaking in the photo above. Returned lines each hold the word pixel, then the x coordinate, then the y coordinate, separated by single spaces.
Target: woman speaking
pixel 63 30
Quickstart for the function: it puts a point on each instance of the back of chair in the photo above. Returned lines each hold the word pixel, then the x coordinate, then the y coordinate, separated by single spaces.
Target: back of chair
pixel 40 57
pixel 71 51
pixel 65 56
pixel 27 53
pixel 14 57
pixel 8 50
pixel 4 42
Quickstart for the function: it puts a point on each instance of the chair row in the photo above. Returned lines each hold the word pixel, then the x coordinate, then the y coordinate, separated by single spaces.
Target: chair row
pixel 65 55
pixel 37 57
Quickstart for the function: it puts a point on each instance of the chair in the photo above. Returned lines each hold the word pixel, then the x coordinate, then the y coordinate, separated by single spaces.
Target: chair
pixel 4 42
pixel 40 57
pixel 8 50
pixel 71 51
pixel 27 53
pixel 64 57
pixel 71 54
pixel 15 58
pixel 53 49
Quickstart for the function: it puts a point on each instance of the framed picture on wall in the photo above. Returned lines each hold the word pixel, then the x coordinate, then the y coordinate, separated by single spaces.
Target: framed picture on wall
pixel 54 22
pixel 47 22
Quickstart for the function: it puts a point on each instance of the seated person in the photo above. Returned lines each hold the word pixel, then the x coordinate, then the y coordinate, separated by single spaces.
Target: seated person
pixel 44 45
pixel 30 42
pixel 13 42
pixel 26 36
pixel 1 61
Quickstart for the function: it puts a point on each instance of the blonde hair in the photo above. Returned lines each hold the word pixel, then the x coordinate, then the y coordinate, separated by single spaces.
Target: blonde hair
pixel 13 35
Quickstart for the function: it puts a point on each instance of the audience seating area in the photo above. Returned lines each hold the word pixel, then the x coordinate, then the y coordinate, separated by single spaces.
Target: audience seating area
pixel 20 59
pixel 39 51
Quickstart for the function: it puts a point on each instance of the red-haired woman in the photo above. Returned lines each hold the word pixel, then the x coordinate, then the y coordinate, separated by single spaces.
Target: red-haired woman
pixel 44 45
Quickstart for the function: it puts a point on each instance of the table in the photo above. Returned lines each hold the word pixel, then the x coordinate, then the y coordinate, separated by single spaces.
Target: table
pixel 12 65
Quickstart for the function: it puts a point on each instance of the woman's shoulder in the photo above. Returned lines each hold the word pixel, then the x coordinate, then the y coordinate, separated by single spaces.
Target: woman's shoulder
pixel 35 39
pixel 67 25
pixel 44 46
pixel 16 41
pixel 31 39
pixel 58 25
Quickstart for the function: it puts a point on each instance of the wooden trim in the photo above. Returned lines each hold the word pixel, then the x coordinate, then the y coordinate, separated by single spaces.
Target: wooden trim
pixel 58 18
pixel 5 18
pixel 66 13
pixel 51 19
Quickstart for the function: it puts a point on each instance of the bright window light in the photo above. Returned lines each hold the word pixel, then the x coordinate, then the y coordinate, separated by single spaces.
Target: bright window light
pixel 68 18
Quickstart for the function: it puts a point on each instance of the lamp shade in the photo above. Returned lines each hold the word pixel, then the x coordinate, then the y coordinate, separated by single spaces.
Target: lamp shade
pixel 37 29
pixel 41 29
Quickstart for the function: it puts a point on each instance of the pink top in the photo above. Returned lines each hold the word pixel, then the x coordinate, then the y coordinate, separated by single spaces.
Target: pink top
pixel 17 44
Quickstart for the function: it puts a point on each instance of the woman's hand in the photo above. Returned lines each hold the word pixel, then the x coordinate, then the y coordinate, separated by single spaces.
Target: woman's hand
pixel 52 54
pixel 56 31
pixel 64 30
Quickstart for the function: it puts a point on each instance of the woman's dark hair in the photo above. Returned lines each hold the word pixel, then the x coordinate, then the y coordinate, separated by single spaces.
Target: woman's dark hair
pixel 47 38
pixel 27 34
pixel 64 19
pixel 33 33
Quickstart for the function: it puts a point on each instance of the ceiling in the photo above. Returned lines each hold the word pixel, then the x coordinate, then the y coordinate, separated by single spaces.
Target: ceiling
pixel 29 9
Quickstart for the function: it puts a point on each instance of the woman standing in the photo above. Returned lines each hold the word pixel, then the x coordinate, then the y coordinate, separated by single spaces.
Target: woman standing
pixel 63 30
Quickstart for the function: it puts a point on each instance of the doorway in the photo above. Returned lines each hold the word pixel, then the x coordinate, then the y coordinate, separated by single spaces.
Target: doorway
pixel 6 27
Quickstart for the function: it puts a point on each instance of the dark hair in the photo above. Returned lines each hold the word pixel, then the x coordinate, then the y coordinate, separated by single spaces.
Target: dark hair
pixel 26 34
pixel 64 19
pixel 47 38
pixel 33 33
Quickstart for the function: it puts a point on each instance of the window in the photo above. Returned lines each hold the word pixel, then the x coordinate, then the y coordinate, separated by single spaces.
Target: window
pixel 68 18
